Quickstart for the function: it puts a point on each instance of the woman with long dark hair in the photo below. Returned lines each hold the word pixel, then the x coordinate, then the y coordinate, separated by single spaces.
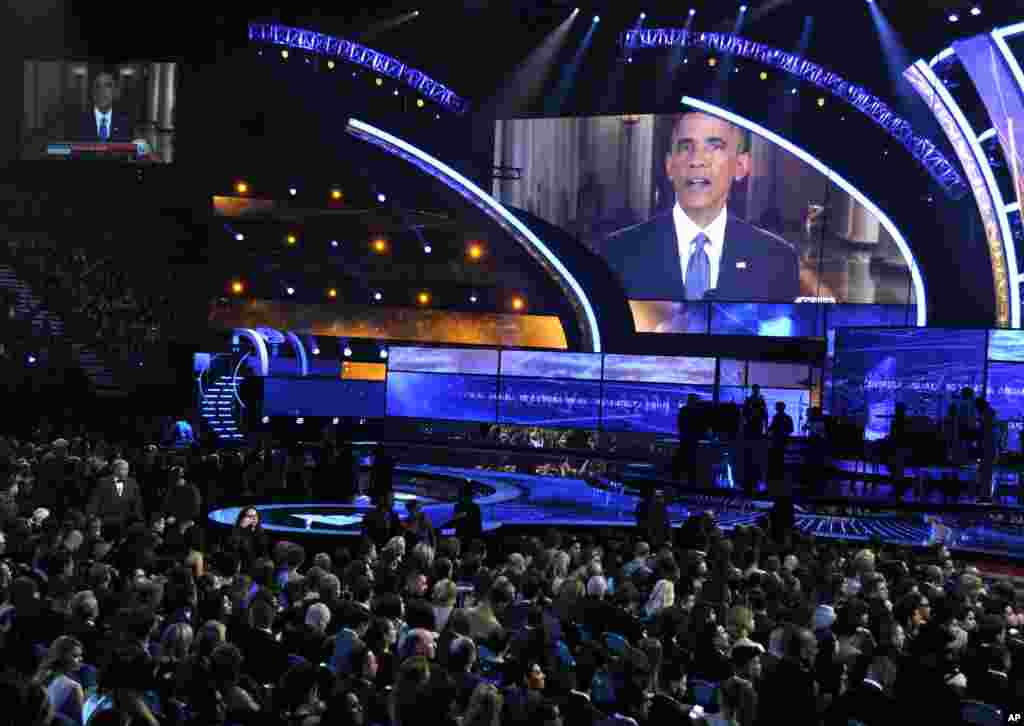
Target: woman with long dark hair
pixel 247 539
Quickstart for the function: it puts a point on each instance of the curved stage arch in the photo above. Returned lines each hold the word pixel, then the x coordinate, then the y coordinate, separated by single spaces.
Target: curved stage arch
pixel 577 296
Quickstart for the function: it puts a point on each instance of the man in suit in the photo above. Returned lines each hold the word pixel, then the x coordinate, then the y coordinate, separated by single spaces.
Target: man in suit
pixel 697 250
pixel 101 121
pixel 116 498
pixel 867 701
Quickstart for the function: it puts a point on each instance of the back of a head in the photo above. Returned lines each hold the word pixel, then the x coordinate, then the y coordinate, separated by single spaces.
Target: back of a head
pixel 461 654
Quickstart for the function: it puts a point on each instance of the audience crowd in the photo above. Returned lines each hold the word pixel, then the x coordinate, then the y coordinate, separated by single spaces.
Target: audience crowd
pixel 118 607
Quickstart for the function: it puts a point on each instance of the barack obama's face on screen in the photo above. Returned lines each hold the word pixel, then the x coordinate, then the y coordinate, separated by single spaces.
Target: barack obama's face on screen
pixel 707 154
pixel 103 89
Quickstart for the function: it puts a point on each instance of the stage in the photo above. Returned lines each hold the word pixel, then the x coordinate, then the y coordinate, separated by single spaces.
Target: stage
pixel 512 495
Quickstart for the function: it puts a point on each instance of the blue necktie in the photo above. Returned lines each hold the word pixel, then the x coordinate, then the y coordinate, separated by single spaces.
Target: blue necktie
pixel 698 269
pixel 103 128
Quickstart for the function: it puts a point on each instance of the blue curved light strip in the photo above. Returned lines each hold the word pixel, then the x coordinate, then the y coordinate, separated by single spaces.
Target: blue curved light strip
pixel 261 348
pixel 327 45
pixel 901 243
pixel 300 352
pixel 1008 56
pixel 493 208
pixel 1010 30
pixel 943 55
pixel 986 135
pixel 990 183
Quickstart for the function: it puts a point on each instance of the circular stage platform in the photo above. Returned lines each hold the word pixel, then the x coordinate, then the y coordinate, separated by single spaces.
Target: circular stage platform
pixel 516 500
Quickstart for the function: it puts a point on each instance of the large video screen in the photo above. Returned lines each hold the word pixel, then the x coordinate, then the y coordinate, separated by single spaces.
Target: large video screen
pixel 550 403
pixel 690 207
pixel 924 368
pixel 322 397
pixel 442 396
pixel 647 407
pixel 88 110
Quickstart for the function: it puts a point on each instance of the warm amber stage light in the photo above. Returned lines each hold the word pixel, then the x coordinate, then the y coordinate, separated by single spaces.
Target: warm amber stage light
pixel 332 293
pixel 380 246
pixel 423 298
pixel 475 251
pixel 292 239
pixel 518 303
pixel 237 287
pixel 241 187
pixel 335 194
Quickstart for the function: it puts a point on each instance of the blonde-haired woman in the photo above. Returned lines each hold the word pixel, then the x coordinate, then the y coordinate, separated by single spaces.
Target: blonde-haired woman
pixel 65 693
pixel 443 600
pixel 484 709
pixel 663 596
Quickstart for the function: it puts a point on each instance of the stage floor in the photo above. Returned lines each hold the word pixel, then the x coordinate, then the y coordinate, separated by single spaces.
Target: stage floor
pixel 509 499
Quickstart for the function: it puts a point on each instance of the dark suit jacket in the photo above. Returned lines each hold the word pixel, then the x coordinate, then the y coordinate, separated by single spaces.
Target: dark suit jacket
pixel 646 259
pixel 266 659
pixel 579 711
pixel 865 703
pixel 110 507
pixel 82 126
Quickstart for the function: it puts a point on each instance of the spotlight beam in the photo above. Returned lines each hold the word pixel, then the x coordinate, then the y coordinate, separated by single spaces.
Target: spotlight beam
pixel 526 82
pixel 385 25
pixel 557 96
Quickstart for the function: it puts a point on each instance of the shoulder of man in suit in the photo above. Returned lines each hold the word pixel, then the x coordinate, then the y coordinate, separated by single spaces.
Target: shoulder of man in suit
pixel 656 219
pixel 764 233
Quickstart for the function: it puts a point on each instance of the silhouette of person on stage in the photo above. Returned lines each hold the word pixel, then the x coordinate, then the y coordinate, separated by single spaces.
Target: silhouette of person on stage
pixel 780 430
pixel 652 518
pixel 755 418
pixel 468 519
pixel 688 423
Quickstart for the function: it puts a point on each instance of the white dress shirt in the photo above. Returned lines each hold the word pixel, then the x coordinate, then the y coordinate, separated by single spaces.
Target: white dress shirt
pixel 687 230
pixel 120 487
pixel 100 117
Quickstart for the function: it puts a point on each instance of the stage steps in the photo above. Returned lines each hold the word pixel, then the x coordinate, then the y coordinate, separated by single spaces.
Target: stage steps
pixel 218 408
pixel 29 306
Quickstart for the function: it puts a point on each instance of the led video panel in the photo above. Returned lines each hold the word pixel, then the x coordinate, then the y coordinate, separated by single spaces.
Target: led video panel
pixel 479 361
pixel 659 369
pixel 548 364
pixel 550 403
pixel 322 397
pixel 442 396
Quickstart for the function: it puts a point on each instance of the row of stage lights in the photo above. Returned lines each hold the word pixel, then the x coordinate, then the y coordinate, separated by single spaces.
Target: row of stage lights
pixel 332 65
pixel 474 249
pixel 423 298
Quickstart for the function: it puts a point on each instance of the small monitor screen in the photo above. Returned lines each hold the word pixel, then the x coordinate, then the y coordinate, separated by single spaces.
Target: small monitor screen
pixel 478 361
pixel 85 110
pixel 442 396
pixel 659 369
pixel 550 403
pixel 648 408
pixel 545 364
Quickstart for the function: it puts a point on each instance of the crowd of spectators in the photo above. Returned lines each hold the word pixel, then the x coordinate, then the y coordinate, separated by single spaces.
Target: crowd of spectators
pixel 138 615
pixel 96 292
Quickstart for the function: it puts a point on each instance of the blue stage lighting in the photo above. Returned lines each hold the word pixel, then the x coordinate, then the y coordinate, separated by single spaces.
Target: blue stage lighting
pixel 384 353
pixel 975 11
pixel 427 249
pixel 335 420
pixel 377 296
pixel 316 351
pixel 473 299
pixel 953 17
pixel 265 419
pixel 643 16
pixel 381 198
pixel 743 8
pixel 597 18
pixel 300 420
pixel 693 12
pixel 293 191
pixel 239 237
pixel 31 359
pixel 290 290
pixel 334 243
pixel 347 352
